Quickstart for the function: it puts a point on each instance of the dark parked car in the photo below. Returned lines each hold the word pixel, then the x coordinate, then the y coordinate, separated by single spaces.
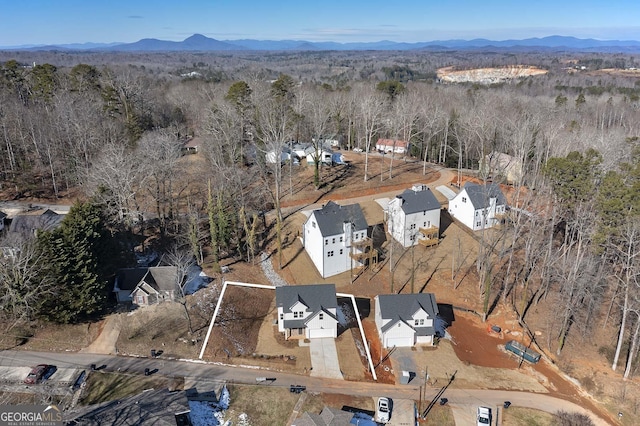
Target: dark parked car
pixel 40 373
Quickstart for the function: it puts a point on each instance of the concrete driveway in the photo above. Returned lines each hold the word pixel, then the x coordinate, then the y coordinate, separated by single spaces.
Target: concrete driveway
pixel 324 358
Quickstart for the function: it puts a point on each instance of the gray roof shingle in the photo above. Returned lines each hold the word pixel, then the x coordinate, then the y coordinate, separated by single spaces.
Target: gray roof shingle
pixel 479 195
pixel 402 307
pixel 332 216
pixel 418 201
pixel 317 297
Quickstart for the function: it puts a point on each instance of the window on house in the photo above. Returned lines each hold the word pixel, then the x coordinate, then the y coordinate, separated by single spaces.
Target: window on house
pixel 326 242
pixel 341 251
pixel 341 238
pixel 478 223
pixel 413 226
pixel 321 316
pixel 281 317
pixel 298 314
pixel 330 253
pixel 412 237
pixel 333 241
pixel 313 224
pixel 464 199
pixel 140 300
pixel 419 322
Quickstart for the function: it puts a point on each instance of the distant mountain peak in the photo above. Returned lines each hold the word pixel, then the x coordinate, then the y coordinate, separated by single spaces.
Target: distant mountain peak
pixel 202 43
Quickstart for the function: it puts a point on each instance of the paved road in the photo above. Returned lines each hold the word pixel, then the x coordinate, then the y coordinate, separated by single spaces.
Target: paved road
pixel 199 371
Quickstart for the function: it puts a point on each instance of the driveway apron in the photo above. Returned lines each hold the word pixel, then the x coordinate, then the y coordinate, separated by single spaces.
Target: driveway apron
pixel 324 358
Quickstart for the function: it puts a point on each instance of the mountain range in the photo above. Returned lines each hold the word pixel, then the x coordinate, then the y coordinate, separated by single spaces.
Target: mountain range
pixel 198 42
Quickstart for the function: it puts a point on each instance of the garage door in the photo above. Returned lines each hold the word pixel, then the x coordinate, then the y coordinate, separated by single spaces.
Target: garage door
pixel 318 333
pixel 399 341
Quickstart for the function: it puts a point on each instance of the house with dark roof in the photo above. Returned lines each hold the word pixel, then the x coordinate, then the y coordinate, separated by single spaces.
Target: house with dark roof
pixel 328 417
pixel 405 320
pixel 146 286
pixel 29 223
pixel 307 311
pixel 413 217
pixel 335 238
pixel 479 206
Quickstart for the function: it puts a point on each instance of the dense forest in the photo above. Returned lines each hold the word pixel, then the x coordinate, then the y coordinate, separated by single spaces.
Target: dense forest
pixel 108 129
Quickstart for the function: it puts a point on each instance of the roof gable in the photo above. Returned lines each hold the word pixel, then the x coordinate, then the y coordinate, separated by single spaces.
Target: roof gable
pixel 418 201
pixel 163 277
pixel 406 305
pixel 332 217
pixel 316 296
pixel 479 195
pixel 397 321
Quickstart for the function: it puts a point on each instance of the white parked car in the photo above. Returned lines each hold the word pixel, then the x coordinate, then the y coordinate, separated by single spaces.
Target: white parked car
pixel 383 410
pixel 484 416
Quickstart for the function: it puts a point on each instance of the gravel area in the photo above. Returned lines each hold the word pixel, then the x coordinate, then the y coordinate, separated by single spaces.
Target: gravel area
pixel 267 268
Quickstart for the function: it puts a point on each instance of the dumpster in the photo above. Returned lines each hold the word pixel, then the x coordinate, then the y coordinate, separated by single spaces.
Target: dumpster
pixel 522 351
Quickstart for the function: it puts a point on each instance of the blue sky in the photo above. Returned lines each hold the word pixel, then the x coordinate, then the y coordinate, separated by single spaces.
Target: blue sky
pixel 76 21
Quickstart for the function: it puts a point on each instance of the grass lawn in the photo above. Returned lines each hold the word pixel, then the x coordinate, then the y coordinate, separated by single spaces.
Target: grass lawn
pixel 516 416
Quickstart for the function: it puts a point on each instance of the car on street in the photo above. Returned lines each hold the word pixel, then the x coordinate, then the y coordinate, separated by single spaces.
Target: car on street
pixel 383 410
pixel 484 416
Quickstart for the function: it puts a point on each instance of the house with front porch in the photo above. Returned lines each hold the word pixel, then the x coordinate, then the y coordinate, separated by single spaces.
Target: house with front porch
pixel 413 217
pixel 146 286
pixel 479 206
pixel 335 238
pixel 405 320
pixel 307 311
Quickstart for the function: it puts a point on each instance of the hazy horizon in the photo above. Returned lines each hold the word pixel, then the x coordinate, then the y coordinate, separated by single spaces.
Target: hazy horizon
pixel 41 22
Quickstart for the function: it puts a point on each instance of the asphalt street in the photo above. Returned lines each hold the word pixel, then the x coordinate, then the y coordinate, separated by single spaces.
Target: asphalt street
pixel 203 372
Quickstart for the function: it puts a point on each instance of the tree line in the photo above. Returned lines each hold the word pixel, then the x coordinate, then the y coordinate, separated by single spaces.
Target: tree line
pixel 115 134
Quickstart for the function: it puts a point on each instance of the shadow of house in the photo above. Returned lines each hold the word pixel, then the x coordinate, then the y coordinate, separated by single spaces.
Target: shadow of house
pixel 3 216
pixel 146 286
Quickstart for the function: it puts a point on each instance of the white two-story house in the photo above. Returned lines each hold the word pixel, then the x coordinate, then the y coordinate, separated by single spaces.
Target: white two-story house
pixel 405 320
pixel 413 217
pixel 307 311
pixel 479 206
pixel 335 238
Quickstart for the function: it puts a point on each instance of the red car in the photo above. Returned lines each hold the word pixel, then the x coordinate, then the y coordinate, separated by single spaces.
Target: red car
pixel 38 373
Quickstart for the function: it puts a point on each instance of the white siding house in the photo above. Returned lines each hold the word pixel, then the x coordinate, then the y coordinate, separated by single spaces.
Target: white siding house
pixel 307 311
pixel 406 320
pixel 335 238
pixel 413 217
pixel 393 146
pixel 479 206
